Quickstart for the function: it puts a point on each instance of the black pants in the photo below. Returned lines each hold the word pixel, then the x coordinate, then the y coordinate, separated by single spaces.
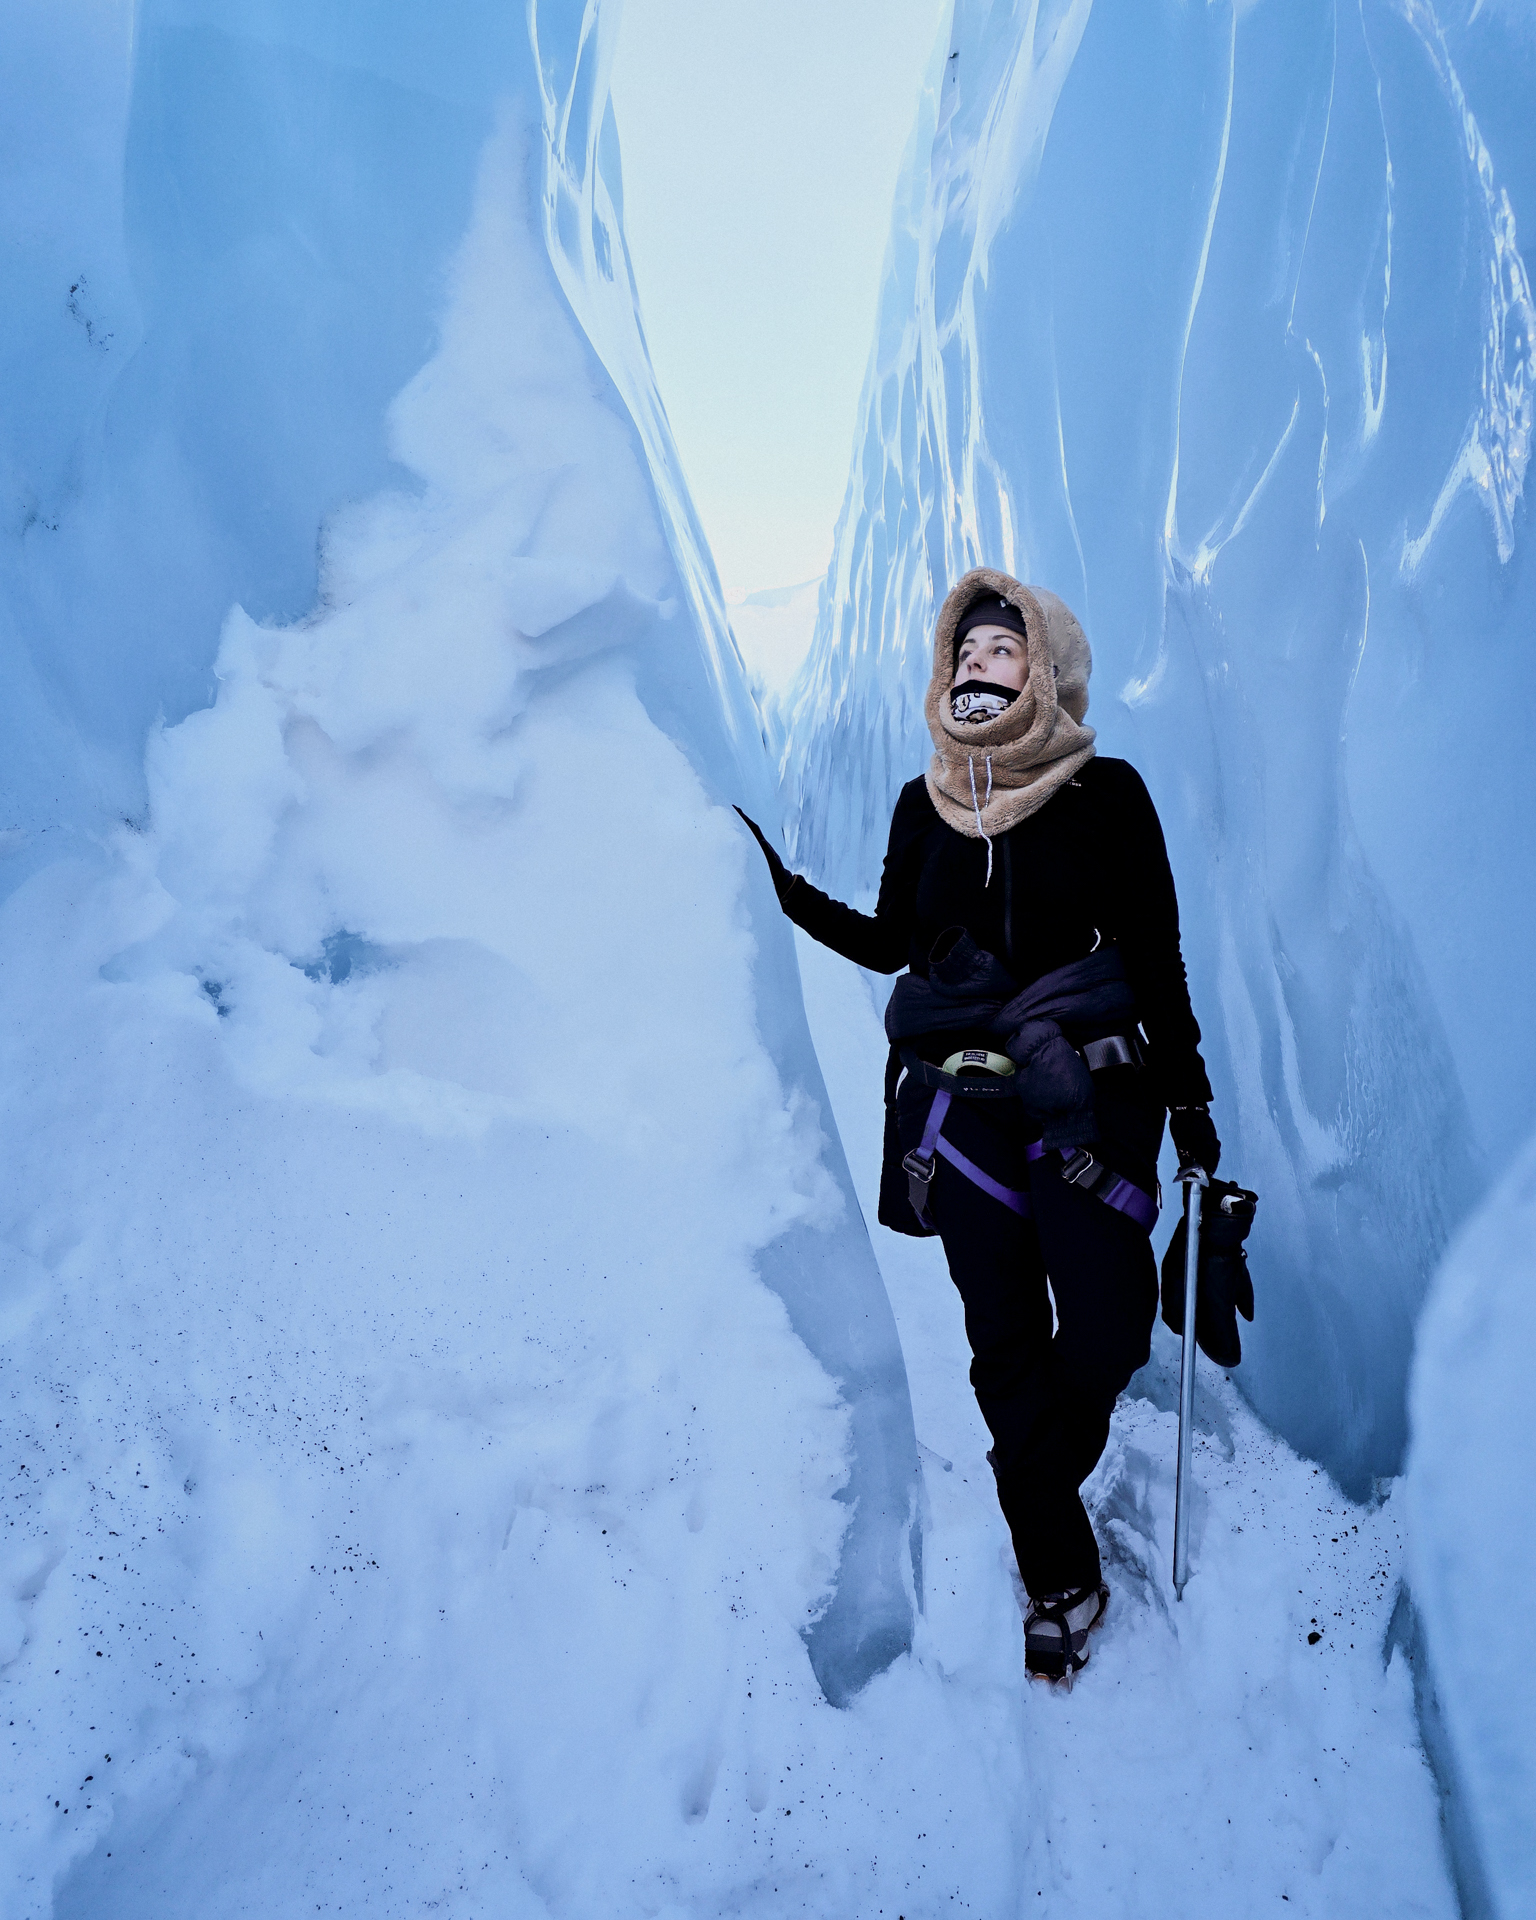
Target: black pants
pixel 1047 1400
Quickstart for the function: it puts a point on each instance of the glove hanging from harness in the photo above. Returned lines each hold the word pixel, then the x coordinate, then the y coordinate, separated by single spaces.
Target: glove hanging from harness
pixel 1225 1287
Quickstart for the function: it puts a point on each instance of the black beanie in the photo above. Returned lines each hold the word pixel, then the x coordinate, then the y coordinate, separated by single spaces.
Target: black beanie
pixel 992 610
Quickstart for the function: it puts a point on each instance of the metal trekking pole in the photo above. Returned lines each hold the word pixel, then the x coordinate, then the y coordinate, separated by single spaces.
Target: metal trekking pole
pixel 1194 1180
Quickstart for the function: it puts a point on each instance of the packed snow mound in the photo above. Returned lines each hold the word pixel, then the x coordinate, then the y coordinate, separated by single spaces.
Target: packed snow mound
pixel 1474 1525
pixel 1169 327
pixel 403 1434
pixel 452 1382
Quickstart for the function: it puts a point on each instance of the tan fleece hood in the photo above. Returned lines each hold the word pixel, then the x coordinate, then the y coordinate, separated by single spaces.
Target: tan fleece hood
pixel 986 778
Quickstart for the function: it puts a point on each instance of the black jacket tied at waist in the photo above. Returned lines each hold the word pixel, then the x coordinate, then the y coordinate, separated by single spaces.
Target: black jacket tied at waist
pixel 969 989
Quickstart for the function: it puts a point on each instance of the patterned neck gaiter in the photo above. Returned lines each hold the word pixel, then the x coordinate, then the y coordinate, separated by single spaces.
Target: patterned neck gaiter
pixel 974 701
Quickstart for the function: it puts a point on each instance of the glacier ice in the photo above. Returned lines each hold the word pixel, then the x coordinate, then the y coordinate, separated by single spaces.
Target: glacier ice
pixel 697 691
pixel 1473 1518
pixel 774 629
pixel 414 1499
pixel 407 1086
pixel 1214 320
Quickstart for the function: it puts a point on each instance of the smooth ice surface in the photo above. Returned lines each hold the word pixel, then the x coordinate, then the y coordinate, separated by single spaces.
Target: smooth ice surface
pixel 1214 320
pixel 230 234
pixel 1473 1512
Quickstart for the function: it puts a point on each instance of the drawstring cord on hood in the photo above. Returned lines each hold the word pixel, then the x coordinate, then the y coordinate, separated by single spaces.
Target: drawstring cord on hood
pixel 978 805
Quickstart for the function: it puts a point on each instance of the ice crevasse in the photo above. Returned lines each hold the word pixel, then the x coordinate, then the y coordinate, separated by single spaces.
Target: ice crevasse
pixel 435 1302
pixel 1214 319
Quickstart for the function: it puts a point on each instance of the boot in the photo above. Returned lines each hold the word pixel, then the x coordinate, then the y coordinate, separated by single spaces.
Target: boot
pixel 1056 1631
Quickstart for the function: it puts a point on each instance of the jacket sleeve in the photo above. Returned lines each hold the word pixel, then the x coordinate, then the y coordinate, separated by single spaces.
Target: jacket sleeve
pixel 880 940
pixel 1147 929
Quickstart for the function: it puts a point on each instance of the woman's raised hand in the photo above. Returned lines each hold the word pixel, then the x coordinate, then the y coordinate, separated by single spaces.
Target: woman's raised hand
pixel 783 879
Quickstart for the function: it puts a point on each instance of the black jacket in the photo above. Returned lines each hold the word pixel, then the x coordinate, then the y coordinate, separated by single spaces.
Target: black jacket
pixel 1089 868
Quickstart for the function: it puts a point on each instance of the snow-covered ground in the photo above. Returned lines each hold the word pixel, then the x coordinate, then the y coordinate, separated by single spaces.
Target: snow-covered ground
pixel 435 1540
pixel 1215 1757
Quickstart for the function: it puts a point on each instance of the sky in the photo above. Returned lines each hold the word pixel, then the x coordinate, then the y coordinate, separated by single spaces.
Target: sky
pixel 761 145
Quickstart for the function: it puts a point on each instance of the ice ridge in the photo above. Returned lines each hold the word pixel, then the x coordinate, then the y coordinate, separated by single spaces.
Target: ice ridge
pixel 1167 326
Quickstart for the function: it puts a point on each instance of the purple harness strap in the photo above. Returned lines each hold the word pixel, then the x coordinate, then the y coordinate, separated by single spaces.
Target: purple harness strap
pixel 1132 1202
pixel 1078 1169
pixel 934 1142
pixel 919 1166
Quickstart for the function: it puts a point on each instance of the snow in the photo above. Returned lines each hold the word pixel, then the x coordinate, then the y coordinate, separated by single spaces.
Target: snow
pixel 450 1535
pixel 417 1142
pixel 460 1453
pixel 461 440
pixel 1168 326
pixel 1474 1525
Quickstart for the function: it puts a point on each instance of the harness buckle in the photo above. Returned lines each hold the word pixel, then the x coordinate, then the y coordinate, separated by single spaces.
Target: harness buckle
pixel 919 1167
pixel 1080 1169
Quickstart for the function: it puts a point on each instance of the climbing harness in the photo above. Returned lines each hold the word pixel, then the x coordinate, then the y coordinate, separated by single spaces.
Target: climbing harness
pixel 1118 1050
pixel 986 1076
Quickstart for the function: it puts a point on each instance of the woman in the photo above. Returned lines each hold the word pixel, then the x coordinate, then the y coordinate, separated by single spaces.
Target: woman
pixel 1039 1036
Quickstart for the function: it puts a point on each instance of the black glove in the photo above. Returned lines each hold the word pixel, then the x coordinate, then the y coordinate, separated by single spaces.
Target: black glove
pixel 1194 1138
pixel 783 879
pixel 1224 1287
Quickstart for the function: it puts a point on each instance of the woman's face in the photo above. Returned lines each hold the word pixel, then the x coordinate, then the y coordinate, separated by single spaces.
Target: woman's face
pixel 993 653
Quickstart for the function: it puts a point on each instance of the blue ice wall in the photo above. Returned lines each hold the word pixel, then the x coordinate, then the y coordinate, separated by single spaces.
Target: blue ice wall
pixel 230 226
pixel 1214 320
pixel 206 328
pixel 827 1278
